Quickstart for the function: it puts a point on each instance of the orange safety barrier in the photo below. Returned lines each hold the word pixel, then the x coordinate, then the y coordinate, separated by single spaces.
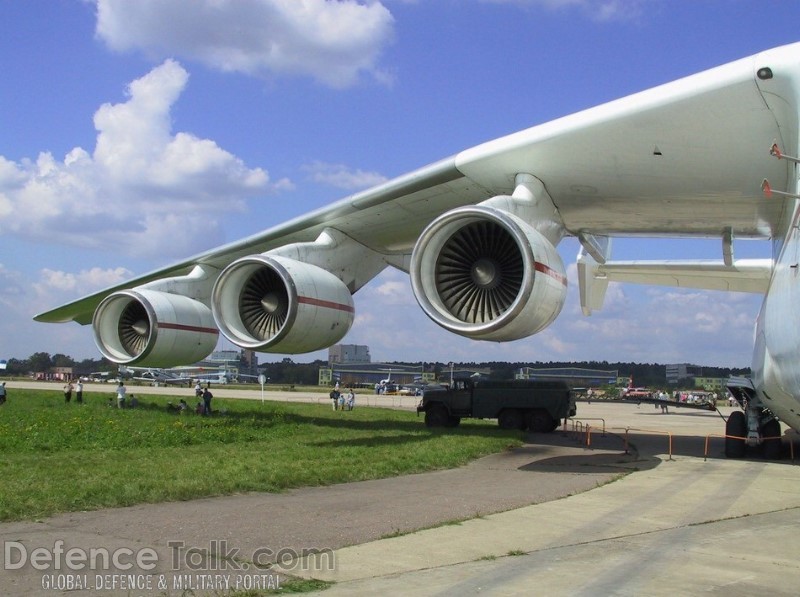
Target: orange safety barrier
pixel 710 435
pixel 589 419
pixel 627 429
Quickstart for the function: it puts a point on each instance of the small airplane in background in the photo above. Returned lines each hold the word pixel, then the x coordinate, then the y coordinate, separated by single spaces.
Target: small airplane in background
pixel 155 375
pixel 706 156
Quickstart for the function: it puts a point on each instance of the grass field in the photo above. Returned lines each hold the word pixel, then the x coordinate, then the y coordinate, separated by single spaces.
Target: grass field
pixel 60 457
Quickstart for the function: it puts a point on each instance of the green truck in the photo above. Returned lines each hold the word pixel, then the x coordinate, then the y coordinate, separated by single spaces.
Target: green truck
pixel 516 404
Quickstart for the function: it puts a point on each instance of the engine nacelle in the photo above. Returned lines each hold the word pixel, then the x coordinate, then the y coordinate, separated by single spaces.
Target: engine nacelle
pixel 272 303
pixel 487 274
pixel 153 328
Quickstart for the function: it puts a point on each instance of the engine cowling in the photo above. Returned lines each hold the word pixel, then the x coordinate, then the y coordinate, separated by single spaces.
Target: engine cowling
pixel 272 303
pixel 487 274
pixel 153 328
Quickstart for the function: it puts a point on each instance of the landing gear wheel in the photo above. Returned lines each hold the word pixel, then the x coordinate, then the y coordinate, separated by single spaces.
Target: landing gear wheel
pixel 453 421
pixel 510 419
pixel 436 416
pixel 772 447
pixel 540 421
pixel 737 426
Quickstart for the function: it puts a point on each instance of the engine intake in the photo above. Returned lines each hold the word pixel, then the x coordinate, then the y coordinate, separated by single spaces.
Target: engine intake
pixel 153 328
pixel 272 303
pixel 487 274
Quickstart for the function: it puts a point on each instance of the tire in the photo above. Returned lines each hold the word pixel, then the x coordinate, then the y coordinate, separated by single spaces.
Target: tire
pixel 540 421
pixel 453 421
pixel 436 416
pixel 510 418
pixel 737 426
pixel 772 447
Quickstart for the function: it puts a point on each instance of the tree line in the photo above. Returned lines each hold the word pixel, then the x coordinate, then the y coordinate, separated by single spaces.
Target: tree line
pixel 287 371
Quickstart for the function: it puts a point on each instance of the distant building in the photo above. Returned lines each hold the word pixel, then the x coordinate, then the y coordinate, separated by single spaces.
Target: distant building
pixel 366 375
pixel 711 384
pixel 235 362
pixel 682 373
pixel 347 354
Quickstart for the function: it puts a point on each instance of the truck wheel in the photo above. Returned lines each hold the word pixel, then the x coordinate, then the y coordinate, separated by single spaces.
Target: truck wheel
pixel 540 421
pixel 436 416
pixel 510 419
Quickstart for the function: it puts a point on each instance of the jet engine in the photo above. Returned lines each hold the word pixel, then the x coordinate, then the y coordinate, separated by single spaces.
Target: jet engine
pixel 153 328
pixel 486 274
pixel 273 303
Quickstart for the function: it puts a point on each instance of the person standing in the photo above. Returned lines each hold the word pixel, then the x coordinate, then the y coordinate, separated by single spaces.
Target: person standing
pixel 334 398
pixel 3 395
pixel 121 391
pixel 207 396
pixel 79 392
pixel 67 392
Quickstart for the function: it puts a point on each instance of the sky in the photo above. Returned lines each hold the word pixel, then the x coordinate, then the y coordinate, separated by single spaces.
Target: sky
pixel 136 134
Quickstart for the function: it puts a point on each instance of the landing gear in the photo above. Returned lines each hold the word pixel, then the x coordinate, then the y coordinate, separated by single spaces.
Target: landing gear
pixel 735 426
pixel 771 432
pixel 739 437
pixel 756 426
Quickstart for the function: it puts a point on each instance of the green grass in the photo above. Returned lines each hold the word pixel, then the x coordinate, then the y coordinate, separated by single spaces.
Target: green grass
pixel 60 457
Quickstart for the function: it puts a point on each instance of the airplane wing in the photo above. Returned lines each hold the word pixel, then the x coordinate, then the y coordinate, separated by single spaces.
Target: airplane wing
pixel 477 231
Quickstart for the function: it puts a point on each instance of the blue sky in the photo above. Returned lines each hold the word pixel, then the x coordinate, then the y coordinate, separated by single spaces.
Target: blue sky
pixel 134 134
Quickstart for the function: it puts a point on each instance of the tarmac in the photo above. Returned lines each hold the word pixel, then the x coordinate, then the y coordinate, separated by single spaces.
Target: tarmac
pixel 623 501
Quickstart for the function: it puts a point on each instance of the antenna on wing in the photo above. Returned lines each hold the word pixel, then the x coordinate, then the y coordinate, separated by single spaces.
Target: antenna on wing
pixel 776 152
pixel 766 188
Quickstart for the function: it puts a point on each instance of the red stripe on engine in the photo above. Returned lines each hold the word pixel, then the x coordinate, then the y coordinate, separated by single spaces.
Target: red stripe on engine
pixel 328 304
pixel 549 271
pixel 188 328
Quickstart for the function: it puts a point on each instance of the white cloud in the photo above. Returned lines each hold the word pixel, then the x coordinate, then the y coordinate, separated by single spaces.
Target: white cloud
pixel 84 282
pixel 342 177
pixel 143 191
pixel 598 10
pixel 333 42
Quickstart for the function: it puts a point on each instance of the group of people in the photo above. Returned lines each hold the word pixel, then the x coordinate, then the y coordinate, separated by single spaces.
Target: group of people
pixel 124 400
pixel 78 388
pixel 342 402
pixel 183 407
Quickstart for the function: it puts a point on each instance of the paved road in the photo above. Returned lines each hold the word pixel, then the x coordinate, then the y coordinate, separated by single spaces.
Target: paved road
pixel 548 522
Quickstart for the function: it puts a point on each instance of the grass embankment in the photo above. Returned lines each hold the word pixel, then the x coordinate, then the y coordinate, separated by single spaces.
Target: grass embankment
pixel 60 457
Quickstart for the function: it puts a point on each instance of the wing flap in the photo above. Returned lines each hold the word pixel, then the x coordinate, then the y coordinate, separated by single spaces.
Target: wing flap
pixel 745 275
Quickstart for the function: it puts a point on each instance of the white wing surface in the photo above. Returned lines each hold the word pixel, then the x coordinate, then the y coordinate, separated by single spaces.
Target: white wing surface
pixel 477 231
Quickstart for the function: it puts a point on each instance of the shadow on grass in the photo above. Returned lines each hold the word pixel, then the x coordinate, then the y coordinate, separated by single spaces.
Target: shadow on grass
pixel 414 430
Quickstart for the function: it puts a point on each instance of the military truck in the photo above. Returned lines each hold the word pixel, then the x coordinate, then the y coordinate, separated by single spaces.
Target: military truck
pixel 516 404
